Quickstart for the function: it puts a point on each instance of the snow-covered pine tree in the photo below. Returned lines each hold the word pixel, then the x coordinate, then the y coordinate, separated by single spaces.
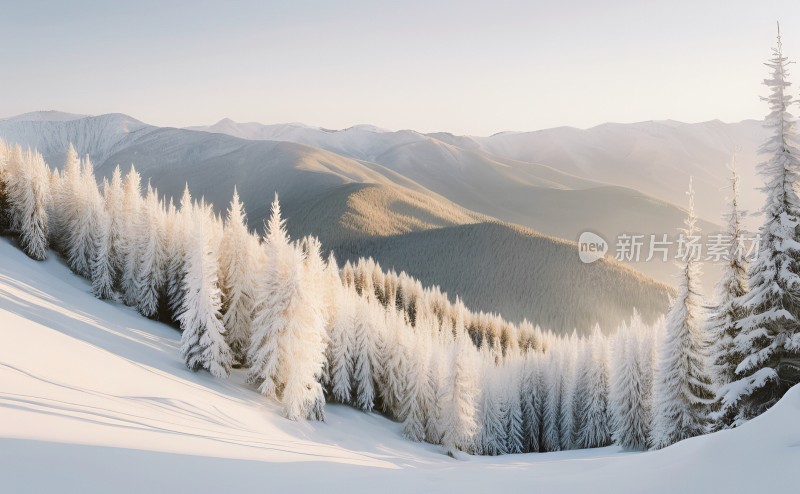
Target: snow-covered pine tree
pixel 150 272
pixel 551 407
pixel 769 339
pixel 366 364
pixel 434 427
pixel 28 191
pixel 514 425
pixel 132 209
pixel 76 215
pixel 683 385
pixel 113 196
pixel 461 389
pixel 63 190
pixel 567 420
pixel 3 187
pixel 332 289
pixel 491 438
pixel 531 401
pixel 340 346
pixel 177 246
pixel 396 359
pixel 730 288
pixel 101 266
pixel 311 338
pixel 238 282
pixel 594 428
pixel 203 343
pixel 628 394
pixel 416 398
pixel 287 349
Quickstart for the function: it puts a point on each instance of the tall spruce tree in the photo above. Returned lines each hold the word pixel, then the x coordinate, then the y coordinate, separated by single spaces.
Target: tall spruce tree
pixel 728 310
pixel 683 384
pixel 238 282
pixel 28 190
pixel 769 338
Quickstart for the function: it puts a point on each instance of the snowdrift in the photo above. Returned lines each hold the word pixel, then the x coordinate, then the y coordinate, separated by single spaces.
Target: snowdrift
pixel 94 398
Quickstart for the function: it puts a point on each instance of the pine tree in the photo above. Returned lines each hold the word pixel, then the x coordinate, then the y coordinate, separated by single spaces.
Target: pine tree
pixel 64 188
pixel 237 280
pixel 532 401
pixel 4 206
pixel 551 407
pixel 567 419
pixel 340 346
pixel 366 363
pixel 515 434
pixel 730 288
pixel 434 425
pixel 28 191
pixel 177 246
pixel 113 196
pixel 683 385
pixel 594 428
pixel 77 218
pixel 101 266
pixel 769 338
pixel 287 348
pixel 152 256
pixel 130 239
pixel 460 393
pixel 629 394
pixel 396 356
pixel 203 343
pixel 416 398
pixel 491 438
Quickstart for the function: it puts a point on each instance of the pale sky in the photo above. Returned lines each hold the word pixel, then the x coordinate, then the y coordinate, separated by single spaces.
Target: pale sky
pixel 466 67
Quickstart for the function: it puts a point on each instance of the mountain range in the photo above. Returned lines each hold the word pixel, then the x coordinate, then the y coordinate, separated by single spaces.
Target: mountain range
pixel 490 219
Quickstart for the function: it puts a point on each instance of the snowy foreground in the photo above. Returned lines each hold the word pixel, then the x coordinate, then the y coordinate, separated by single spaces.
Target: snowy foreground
pixel 95 398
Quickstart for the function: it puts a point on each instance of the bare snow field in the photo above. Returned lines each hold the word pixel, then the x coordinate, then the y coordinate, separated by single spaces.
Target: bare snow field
pixel 95 398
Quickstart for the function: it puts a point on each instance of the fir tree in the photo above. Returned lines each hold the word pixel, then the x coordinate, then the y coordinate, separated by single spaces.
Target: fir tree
pixel 769 338
pixel 515 434
pixel 132 225
pixel 730 288
pixel 416 398
pixel 28 190
pixel 340 346
pixel 287 348
pixel 460 393
pixel 101 265
pixel 237 280
pixel 152 256
pixel 594 428
pixel 629 394
pixel 683 385
pixel 491 438
pixel 177 246
pixel 203 343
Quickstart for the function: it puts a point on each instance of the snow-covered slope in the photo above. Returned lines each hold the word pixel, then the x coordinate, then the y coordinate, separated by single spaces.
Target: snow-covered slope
pixel 97 136
pixel 94 399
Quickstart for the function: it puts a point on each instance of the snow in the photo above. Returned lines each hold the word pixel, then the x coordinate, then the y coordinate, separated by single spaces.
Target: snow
pixel 95 398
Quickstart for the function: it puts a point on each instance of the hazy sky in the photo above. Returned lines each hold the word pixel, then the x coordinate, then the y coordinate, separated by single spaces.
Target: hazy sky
pixel 460 66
